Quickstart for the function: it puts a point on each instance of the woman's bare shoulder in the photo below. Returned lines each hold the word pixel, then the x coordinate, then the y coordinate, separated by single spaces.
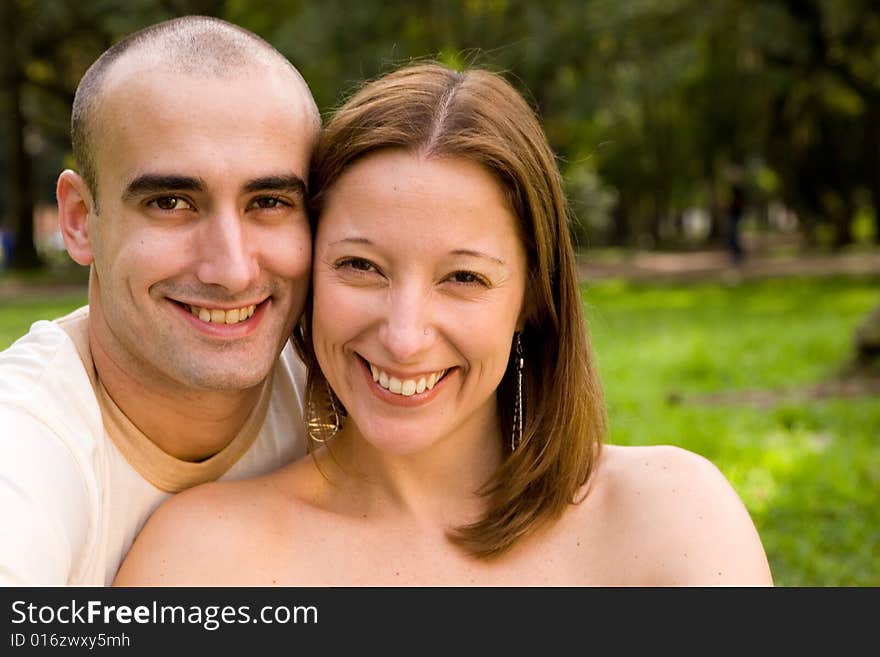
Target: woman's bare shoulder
pixel 652 465
pixel 678 515
pixel 198 534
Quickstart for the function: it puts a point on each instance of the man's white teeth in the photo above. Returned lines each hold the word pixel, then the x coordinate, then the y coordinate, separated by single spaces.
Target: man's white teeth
pixel 406 387
pixel 217 316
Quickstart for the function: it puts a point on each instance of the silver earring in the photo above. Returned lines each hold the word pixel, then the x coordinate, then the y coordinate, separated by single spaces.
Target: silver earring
pixel 323 423
pixel 517 433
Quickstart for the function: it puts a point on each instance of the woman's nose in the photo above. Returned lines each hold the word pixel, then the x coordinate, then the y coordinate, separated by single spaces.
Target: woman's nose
pixel 407 330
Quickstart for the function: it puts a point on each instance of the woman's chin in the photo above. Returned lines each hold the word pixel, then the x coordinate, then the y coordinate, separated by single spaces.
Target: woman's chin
pixel 391 438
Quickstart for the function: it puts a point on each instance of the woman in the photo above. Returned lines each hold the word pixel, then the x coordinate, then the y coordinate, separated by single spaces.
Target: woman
pixel 455 409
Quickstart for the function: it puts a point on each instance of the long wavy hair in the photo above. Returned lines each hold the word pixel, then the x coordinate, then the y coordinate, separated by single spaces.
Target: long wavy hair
pixel 434 111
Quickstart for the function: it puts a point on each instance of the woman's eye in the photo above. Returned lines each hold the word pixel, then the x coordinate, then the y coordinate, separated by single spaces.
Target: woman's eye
pixel 169 203
pixel 467 278
pixel 356 264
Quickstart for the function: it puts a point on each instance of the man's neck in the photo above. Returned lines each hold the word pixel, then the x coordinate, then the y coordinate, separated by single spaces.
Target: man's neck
pixel 188 424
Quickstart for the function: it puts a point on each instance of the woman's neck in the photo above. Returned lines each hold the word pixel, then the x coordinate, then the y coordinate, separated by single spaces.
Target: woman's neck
pixel 436 485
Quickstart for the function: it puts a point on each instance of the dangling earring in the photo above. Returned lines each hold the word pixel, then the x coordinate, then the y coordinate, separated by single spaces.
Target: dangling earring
pixel 324 423
pixel 517 432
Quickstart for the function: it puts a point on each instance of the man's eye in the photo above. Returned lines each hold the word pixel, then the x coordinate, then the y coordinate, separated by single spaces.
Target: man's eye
pixel 268 202
pixel 171 203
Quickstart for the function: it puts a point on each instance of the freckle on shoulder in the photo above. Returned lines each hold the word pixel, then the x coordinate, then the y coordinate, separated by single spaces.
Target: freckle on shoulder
pixel 654 457
pixel 634 470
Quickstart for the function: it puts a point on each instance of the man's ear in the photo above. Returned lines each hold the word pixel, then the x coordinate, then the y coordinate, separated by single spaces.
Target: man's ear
pixel 75 204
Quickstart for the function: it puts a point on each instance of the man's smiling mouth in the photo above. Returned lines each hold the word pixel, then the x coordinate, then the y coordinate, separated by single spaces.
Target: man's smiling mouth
pixel 220 316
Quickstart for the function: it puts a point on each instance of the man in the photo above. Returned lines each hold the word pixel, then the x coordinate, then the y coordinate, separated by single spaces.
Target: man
pixel 193 139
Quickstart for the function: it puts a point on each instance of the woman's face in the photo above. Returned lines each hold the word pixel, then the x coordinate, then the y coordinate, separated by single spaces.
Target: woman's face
pixel 419 278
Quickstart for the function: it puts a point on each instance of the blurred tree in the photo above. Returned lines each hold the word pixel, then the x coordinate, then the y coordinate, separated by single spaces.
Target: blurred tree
pixel 48 45
pixel 824 131
pixel 648 103
pixel 18 195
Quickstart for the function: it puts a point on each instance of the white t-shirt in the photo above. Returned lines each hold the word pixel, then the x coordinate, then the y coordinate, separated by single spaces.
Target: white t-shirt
pixel 78 480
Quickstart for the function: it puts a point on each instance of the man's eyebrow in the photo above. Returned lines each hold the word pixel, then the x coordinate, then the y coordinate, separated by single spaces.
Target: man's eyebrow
pixel 289 183
pixel 159 182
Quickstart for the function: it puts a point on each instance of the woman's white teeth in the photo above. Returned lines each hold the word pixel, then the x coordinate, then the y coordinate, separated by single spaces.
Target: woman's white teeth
pixel 406 387
pixel 218 316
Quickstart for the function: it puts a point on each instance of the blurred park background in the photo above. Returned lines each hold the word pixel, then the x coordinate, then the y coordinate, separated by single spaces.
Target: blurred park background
pixel 722 160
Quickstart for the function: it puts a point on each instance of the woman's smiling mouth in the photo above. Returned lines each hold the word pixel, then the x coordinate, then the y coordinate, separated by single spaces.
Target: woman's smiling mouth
pixel 406 386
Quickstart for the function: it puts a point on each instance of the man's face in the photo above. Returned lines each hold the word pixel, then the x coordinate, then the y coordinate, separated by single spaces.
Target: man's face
pixel 202 247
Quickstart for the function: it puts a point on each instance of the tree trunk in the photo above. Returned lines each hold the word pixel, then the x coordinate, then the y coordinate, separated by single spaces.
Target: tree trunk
pixel 873 142
pixel 620 232
pixel 867 339
pixel 843 233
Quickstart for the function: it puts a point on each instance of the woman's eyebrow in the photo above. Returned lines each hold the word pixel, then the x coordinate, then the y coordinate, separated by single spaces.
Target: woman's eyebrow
pixel 471 253
pixel 351 240
pixel 477 254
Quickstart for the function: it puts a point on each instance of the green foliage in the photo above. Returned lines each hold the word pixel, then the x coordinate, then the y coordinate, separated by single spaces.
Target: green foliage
pixel 807 470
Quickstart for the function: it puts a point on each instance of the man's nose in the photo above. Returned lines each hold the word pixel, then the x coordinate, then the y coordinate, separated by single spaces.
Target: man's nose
pixel 407 330
pixel 227 257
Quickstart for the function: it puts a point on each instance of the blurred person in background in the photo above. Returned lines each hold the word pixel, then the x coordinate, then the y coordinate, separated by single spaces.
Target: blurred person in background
pixel 735 209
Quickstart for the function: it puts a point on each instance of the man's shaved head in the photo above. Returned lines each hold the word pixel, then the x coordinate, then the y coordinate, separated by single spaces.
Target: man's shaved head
pixel 199 46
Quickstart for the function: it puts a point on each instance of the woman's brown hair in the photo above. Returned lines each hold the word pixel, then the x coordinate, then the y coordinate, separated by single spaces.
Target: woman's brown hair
pixel 434 111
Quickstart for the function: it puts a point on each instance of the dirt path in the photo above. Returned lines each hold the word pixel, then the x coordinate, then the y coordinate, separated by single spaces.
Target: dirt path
pixel 863 384
pixel 13 289
pixel 716 265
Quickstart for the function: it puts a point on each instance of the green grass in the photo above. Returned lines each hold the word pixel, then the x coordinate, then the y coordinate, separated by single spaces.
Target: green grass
pixel 808 472
pixel 45 293
pixel 16 315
